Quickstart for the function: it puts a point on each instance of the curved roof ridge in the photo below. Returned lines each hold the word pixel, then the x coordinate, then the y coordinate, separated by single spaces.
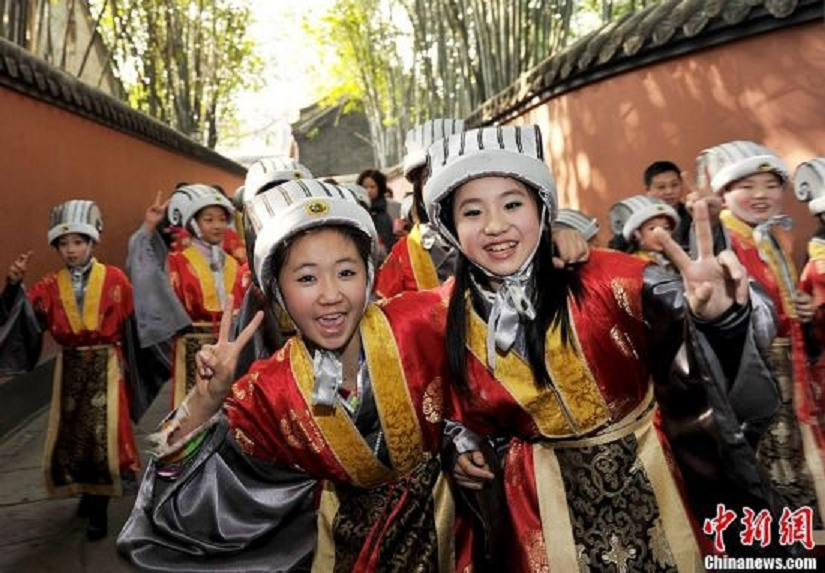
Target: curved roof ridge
pixel 656 33
pixel 25 73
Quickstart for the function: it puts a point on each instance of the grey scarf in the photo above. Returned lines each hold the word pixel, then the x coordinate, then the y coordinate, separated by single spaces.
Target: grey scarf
pixel 80 276
pixel 217 260
pixel 329 375
pixel 511 303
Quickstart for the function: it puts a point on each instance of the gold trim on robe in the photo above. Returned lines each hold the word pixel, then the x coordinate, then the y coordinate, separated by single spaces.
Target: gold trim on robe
pixel 426 275
pixel 206 277
pixel 324 559
pixel 444 505
pixel 344 439
pixel 111 427
pixel 91 302
pixel 398 416
pixel 675 520
pixel 392 394
pixel 772 256
pixel 575 407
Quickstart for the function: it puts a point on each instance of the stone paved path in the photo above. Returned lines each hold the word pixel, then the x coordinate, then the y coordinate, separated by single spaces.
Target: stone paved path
pixel 39 534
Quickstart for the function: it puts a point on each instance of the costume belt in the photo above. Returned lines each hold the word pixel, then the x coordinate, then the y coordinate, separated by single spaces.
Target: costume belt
pixel 638 418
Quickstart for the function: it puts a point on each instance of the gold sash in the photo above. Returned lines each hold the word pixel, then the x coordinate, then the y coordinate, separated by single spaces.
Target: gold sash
pixel 426 276
pixel 575 406
pixel 399 420
pixel 206 278
pixel 557 529
pixel 774 257
pixel 91 301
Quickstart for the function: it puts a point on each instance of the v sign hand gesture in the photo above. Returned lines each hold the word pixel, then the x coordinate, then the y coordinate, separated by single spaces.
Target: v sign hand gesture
pixel 215 374
pixel 712 282
pixel 155 212
pixel 216 362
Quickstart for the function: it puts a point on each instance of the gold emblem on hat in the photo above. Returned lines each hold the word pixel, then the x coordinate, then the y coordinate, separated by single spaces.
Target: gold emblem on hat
pixel 317 207
pixel 766 167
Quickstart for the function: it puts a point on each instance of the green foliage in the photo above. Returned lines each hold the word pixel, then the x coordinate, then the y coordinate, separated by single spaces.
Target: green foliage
pixel 182 61
pixel 411 60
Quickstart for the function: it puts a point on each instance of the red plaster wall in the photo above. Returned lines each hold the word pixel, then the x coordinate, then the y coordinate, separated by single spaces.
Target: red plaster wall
pixel 49 155
pixel 769 89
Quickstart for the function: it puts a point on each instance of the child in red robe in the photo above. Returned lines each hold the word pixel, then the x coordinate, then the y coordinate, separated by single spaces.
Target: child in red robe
pixel 86 307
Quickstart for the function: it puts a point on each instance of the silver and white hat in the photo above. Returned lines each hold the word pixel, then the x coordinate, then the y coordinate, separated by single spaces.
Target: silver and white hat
pixel 279 213
pixel 360 193
pixel 189 199
pixel 587 226
pixel 269 172
pixel 734 160
pixel 629 214
pixel 405 212
pixel 422 137
pixel 76 216
pixel 809 184
pixel 503 151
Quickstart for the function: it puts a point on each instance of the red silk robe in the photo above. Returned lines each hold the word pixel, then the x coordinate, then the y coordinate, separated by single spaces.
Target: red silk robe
pixel 557 481
pixel 813 283
pixel 194 285
pixel 764 262
pixel 271 417
pixel 90 440
pixel 232 243
pixel 407 268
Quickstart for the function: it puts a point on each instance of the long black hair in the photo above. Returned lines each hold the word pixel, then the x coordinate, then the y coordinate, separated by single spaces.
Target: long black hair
pixel 379 178
pixel 820 232
pixel 551 288
pixel 417 177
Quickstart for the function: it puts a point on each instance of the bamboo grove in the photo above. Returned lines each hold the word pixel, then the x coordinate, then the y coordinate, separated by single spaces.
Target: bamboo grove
pixel 409 60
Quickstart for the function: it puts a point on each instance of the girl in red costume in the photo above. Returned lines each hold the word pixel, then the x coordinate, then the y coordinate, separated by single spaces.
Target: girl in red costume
pixel 555 367
pixel 181 294
pixel 421 259
pixel 86 307
pixel 328 450
pixel 809 185
pixel 752 181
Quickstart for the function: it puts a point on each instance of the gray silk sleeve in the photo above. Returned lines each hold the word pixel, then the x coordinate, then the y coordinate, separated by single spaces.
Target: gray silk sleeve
pixel 736 343
pixel 464 439
pixel 716 396
pixel 158 312
pixel 21 334
pixel 226 512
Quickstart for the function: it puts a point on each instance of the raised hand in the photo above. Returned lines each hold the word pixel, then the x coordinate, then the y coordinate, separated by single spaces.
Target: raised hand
pixel 712 283
pixel 471 470
pixel 155 212
pixel 805 308
pixel 570 246
pixel 216 362
pixel 714 202
pixel 17 270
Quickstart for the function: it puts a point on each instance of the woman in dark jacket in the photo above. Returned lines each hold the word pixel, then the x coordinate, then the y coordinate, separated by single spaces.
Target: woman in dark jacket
pixel 375 183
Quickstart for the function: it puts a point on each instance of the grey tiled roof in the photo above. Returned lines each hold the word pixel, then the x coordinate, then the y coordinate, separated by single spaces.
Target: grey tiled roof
pixel 656 33
pixel 23 72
